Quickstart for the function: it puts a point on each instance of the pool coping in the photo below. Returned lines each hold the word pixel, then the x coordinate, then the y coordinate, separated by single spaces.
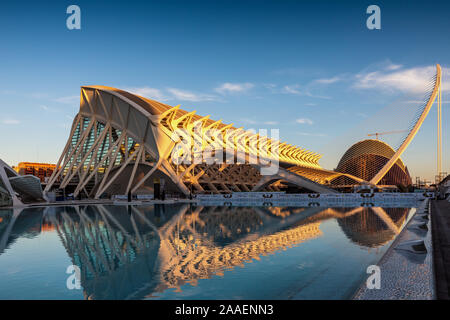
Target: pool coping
pixel 404 276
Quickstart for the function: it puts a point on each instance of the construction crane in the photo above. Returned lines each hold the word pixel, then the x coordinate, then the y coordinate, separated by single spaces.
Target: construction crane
pixel 376 134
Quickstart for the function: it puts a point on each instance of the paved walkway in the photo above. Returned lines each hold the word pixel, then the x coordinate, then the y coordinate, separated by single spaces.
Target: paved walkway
pixel 404 275
pixel 440 219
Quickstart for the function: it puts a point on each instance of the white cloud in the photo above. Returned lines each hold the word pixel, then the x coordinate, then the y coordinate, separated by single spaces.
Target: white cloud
pixel 361 114
pixel 304 121
pixel 328 80
pixel 254 122
pixel 229 87
pixel 249 121
pixel 171 94
pixel 392 66
pixel 147 92
pixel 47 109
pixel 394 78
pixel 68 99
pixel 10 121
pixel 306 91
pixel 190 96
pixel 312 134
pixel 293 89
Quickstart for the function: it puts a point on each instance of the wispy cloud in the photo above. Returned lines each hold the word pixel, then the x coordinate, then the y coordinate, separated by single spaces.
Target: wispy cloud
pixel 68 99
pixel 395 78
pixel 312 134
pixel 228 87
pixel 328 80
pixel 302 91
pixel 47 108
pixel 269 85
pixel 190 96
pixel 392 66
pixel 10 121
pixel 270 123
pixel 304 121
pixel 361 115
pixel 254 122
pixel 293 89
pixel 249 121
pixel 148 92
pixel 169 94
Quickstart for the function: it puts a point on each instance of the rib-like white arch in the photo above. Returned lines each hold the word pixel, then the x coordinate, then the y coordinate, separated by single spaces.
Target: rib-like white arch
pixel 414 130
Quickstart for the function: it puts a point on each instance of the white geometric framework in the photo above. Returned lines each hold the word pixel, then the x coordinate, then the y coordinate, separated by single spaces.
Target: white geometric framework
pixel 119 140
pixel 15 189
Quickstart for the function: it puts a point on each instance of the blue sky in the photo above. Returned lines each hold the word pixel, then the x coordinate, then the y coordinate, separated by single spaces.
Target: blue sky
pixel 310 68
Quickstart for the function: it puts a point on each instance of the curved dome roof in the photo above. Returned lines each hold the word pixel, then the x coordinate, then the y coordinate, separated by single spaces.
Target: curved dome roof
pixel 151 106
pixel 370 146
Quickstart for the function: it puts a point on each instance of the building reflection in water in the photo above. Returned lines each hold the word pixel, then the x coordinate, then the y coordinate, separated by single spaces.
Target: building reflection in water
pixel 127 252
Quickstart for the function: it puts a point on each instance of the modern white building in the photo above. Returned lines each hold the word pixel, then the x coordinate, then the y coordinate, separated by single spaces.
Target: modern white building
pixel 17 190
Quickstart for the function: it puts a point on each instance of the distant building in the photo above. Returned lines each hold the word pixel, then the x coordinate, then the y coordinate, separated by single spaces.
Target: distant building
pixel 16 189
pixel 41 170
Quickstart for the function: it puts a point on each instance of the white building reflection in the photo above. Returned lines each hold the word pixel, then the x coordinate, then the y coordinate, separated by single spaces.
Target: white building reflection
pixel 127 252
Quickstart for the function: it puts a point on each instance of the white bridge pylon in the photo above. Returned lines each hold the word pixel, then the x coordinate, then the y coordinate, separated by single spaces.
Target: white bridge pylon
pixel 415 129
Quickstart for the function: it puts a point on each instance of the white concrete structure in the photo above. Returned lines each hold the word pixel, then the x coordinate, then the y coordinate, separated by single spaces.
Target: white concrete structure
pixel 120 142
pixel 15 189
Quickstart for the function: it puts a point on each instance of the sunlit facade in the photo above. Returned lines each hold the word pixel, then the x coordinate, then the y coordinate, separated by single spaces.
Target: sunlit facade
pixel 121 142
pixel 366 158
pixel 41 170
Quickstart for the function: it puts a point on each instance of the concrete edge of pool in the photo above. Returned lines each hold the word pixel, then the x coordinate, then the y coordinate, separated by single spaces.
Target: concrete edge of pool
pixel 405 275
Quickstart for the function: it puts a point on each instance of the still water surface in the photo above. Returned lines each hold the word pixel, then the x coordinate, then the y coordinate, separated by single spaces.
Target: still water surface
pixel 192 252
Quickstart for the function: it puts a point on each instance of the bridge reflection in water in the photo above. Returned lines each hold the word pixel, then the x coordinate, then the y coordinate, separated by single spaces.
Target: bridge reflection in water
pixel 127 252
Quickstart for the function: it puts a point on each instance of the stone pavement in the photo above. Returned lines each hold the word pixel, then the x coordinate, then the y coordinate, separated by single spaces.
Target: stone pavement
pixel 405 275
pixel 440 219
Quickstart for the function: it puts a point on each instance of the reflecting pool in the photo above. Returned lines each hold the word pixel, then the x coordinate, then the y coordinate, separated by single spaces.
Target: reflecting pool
pixel 187 251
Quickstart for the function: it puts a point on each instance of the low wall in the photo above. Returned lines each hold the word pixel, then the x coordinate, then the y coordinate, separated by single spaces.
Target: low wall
pixel 312 199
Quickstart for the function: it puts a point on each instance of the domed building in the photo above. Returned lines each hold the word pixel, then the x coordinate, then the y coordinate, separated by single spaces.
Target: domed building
pixel 367 229
pixel 366 158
